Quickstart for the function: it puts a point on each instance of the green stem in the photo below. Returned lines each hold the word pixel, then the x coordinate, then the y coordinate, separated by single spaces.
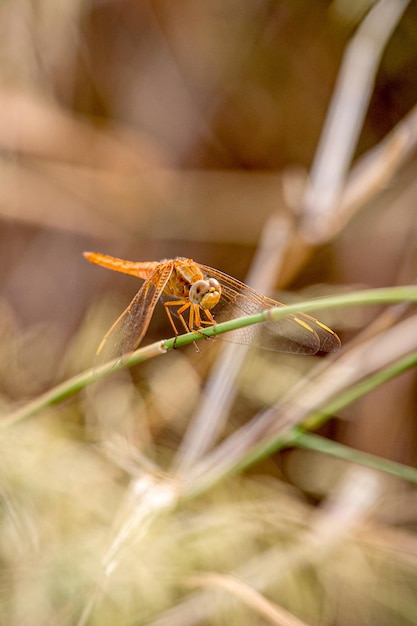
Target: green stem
pixel 82 380
pixel 389 295
pixel 338 450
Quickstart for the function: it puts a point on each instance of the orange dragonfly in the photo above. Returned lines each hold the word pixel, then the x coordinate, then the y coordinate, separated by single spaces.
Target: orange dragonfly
pixel 187 287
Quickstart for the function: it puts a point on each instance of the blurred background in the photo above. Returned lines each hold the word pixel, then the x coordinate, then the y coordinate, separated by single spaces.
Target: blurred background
pixel 146 131
pixel 149 130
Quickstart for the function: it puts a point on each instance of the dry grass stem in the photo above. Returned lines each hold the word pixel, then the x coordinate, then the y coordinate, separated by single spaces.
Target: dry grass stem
pixel 345 116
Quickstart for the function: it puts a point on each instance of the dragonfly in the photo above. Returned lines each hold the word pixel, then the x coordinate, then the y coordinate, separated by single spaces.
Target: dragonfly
pixel 199 296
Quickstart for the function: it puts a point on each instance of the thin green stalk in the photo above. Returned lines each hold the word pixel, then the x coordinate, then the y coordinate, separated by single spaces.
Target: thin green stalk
pixel 82 380
pixel 357 391
pixel 338 450
pixel 291 437
pixel 72 385
pixel 367 297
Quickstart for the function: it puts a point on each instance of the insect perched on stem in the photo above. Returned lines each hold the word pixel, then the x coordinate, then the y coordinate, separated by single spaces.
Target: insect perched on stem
pixel 194 290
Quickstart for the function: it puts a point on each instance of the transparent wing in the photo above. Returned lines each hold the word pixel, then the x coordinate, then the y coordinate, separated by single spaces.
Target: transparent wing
pixel 298 334
pixel 129 329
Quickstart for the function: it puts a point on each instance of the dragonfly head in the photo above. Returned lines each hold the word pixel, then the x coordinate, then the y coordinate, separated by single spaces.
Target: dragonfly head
pixel 205 293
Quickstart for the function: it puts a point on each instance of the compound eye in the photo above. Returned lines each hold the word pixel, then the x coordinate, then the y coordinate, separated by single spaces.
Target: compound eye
pixel 205 293
pixel 198 290
pixel 214 285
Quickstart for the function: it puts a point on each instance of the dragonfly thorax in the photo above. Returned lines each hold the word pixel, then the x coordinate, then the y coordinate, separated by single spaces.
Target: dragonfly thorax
pixel 206 293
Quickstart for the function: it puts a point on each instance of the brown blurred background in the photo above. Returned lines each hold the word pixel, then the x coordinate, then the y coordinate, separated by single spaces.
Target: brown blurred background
pixel 148 130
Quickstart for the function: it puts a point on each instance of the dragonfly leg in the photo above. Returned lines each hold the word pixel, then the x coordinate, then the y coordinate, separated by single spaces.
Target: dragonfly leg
pixel 210 321
pixel 197 324
pixel 183 307
pixel 194 320
pixel 167 306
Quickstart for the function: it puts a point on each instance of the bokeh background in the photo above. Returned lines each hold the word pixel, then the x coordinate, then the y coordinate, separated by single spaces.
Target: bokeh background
pixel 148 131
pixel 156 129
